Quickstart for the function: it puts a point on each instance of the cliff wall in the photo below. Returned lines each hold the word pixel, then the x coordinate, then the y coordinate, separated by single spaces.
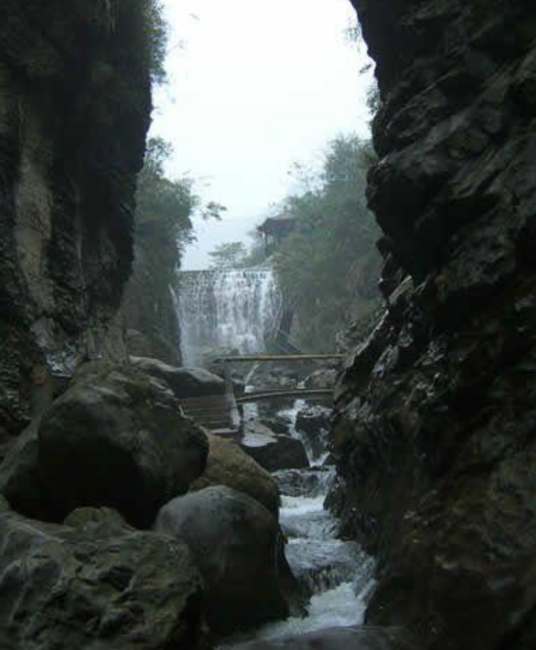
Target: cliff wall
pixel 74 109
pixel 436 423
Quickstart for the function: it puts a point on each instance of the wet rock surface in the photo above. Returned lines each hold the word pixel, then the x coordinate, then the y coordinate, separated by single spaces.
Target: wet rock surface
pixel 72 142
pixel 435 421
pixel 117 438
pixel 237 545
pixel 272 451
pixel 313 425
pixel 230 466
pixel 184 382
pixel 324 378
pixel 95 583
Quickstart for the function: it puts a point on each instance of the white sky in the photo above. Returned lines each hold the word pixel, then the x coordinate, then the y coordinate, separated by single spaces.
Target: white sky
pixel 253 87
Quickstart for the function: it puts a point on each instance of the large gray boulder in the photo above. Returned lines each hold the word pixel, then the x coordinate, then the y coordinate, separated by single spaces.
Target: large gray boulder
pixel 117 438
pixel 272 451
pixel 230 466
pixel 340 638
pixel 184 382
pixel 95 584
pixel 238 548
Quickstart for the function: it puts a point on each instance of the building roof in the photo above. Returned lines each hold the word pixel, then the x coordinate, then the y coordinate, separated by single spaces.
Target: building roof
pixel 279 225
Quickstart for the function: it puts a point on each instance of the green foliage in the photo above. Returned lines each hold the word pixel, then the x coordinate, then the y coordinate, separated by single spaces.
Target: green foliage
pixel 229 255
pixel 156 31
pixel 257 251
pixel 141 27
pixel 164 211
pixel 164 205
pixel 328 266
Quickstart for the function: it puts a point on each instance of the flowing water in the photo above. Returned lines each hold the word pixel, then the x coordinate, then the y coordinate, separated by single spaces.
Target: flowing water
pixel 229 309
pixel 237 309
pixel 336 574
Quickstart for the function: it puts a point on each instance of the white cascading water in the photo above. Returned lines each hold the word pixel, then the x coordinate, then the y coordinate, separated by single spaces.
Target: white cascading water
pixel 231 309
pixel 337 574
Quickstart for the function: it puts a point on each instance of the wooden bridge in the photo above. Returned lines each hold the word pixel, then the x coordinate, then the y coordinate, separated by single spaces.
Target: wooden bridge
pixel 220 413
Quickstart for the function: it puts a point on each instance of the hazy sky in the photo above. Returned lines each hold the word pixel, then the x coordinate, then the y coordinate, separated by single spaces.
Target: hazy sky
pixel 253 87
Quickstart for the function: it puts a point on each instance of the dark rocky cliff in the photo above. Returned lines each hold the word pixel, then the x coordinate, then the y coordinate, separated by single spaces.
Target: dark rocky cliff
pixel 74 110
pixel 436 425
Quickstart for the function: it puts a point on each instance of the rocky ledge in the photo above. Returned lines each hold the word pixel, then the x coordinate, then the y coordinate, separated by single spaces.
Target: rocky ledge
pixel 435 424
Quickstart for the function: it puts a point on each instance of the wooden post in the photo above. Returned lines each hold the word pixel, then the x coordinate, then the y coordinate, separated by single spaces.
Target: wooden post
pixel 233 408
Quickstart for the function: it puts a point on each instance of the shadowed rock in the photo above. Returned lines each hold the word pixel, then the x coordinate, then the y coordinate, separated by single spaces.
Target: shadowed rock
pixel 230 466
pixel 95 583
pixel 238 547
pixel 117 438
pixel 274 452
pixel 184 382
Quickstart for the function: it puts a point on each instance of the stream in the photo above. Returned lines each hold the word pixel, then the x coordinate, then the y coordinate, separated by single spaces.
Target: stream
pixel 236 309
pixel 336 574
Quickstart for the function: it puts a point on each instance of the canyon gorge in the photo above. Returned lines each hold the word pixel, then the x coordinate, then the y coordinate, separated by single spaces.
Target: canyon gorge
pixel 398 513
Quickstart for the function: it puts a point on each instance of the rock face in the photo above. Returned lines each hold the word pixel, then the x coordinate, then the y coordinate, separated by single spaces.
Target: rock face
pixel 229 466
pixel 238 548
pixel 184 382
pixel 75 104
pixel 312 423
pixel 435 425
pixel 95 584
pixel 117 438
pixel 274 452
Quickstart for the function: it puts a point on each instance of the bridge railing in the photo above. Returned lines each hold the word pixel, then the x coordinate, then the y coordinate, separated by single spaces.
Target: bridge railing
pixel 280 357
pixel 263 394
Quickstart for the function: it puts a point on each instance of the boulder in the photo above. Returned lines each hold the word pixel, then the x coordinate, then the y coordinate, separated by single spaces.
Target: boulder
pixel 313 420
pixel 117 438
pixel 312 424
pixel 274 452
pixel 340 638
pixel 277 423
pixel 95 585
pixel 230 466
pixel 238 548
pixel 184 382
pixel 325 378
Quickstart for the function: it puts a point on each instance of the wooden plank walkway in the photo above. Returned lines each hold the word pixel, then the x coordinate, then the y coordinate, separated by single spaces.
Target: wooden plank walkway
pixel 288 392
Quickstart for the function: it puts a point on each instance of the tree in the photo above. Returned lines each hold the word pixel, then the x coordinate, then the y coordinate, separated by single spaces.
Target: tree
pixel 328 266
pixel 164 206
pixel 229 255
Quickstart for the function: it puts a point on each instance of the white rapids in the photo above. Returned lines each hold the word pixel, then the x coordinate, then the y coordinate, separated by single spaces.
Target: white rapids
pixel 336 574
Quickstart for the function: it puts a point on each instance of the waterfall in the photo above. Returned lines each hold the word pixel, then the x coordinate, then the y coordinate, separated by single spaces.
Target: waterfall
pixel 230 309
